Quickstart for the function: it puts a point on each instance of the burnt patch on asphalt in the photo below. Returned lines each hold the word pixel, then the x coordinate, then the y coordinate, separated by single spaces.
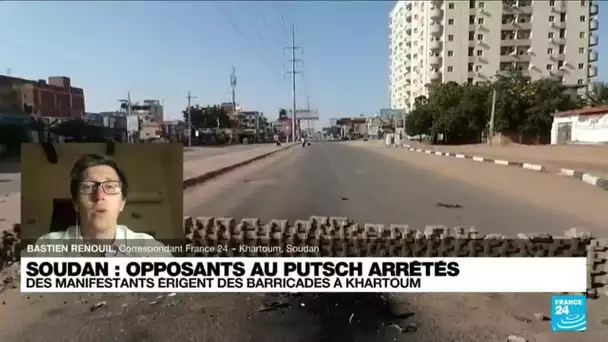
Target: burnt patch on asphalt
pixel 345 316
pixel 449 205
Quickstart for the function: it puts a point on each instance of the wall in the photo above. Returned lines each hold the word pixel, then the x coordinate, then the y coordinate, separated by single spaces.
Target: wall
pixel 154 171
pixel 589 129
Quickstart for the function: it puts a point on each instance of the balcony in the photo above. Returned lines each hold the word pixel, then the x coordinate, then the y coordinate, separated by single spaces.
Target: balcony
pixel 594 10
pixel 435 45
pixel 594 25
pixel 435 60
pixel 593 40
pixel 592 56
pixel 435 29
pixel 436 12
pixel 434 75
pixel 592 71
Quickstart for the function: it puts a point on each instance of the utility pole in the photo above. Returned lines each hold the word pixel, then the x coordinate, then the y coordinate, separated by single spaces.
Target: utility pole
pixel 233 87
pixel 308 110
pixel 293 73
pixel 129 104
pixel 190 98
pixel 492 116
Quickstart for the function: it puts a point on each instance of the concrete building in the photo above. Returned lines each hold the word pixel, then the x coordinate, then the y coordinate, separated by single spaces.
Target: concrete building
pixel 54 99
pixel 472 41
pixel 150 110
pixel 581 126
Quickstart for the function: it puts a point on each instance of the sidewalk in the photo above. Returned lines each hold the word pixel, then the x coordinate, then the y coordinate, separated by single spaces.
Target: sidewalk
pixel 195 172
pixel 10 174
pixel 588 163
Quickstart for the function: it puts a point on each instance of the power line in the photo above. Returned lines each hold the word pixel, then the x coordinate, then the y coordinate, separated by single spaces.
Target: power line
pixel 240 32
pixel 284 26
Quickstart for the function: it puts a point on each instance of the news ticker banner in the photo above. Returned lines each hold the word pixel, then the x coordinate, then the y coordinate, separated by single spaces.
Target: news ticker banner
pixel 373 247
pixel 319 275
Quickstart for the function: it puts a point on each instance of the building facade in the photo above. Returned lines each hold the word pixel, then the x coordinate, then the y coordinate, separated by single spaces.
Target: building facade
pixel 55 98
pixel 472 41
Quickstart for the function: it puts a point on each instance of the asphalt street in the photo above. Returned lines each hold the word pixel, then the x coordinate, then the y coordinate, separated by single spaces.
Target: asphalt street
pixel 334 179
pixel 330 179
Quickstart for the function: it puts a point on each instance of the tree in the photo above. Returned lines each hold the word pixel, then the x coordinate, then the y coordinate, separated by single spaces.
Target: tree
pixel 420 120
pixel 599 95
pixel 282 114
pixel 460 113
pixel 208 117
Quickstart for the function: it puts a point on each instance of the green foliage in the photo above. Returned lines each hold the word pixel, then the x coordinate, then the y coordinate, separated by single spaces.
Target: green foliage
pixel 461 113
pixel 599 96
pixel 208 117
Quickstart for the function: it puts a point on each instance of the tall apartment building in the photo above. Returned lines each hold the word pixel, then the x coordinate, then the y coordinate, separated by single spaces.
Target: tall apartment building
pixel 472 41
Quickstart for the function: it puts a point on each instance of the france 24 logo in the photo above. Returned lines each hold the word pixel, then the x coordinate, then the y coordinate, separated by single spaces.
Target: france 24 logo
pixel 569 313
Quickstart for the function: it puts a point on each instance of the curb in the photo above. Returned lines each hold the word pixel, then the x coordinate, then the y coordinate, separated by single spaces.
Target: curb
pixel 586 177
pixel 190 182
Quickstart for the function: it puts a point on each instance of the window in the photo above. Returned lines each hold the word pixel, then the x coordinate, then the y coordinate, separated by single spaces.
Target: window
pixel 471 3
pixel 480 37
pixel 481 5
pixel 479 52
pixel 582 18
pixel 450 53
pixel 470 66
pixel 562 17
pixel 450 21
pixel 469 81
pixel 471 20
pixel 450 38
pixel 581 66
pixel 471 51
pixel 552 3
pixel 583 3
pixel 581 51
pixel 562 33
pixel 562 49
pixel 451 5
pixel 551 35
pixel 560 64
pixel 477 67
pixel 549 66
pixel 450 68
pixel 549 51
pixel 471 35
pixel 579 81
pixel 581 35
pixel 480 21
pixel 551 18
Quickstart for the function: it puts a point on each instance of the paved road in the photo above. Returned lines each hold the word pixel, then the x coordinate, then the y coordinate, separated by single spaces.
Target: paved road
pixel 325 179
pixel 333 179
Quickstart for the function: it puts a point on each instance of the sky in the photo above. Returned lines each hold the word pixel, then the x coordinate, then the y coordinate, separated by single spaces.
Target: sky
pixel 163 49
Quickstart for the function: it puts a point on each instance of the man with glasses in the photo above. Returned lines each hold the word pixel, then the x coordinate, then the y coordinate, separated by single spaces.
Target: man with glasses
pixel 99 190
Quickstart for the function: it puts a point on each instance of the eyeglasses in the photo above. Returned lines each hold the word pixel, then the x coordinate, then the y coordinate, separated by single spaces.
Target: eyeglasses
pixel 109 187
